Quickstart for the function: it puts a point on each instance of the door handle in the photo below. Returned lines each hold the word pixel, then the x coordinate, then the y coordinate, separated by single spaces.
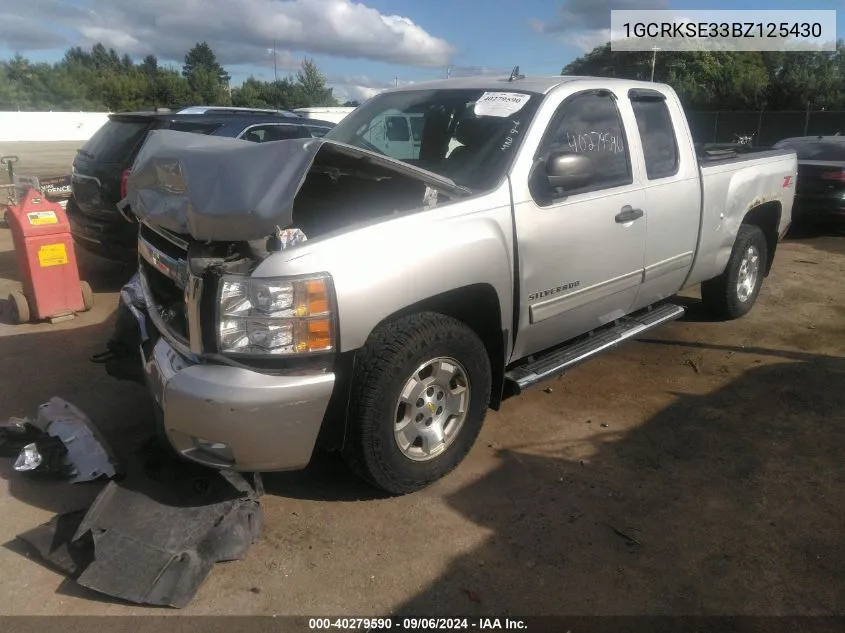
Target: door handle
pixel 628 214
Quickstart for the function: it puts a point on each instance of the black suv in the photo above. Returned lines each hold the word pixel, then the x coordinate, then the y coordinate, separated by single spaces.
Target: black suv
pixel 102 165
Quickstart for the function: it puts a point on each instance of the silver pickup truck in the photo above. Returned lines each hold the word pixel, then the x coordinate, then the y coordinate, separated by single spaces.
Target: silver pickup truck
pixel 317 292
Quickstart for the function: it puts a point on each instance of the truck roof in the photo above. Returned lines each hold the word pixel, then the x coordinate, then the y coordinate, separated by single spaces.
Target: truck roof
pixel 537 84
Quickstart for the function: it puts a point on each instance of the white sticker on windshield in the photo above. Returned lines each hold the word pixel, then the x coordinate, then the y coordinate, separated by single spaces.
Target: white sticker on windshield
pixel 500 103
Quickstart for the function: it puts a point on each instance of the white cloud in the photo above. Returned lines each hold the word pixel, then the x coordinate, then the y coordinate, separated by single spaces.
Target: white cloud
pixel 347 92
pixel 474 71
pixel 360 87
pixel 239 31
pixel 585 24
pixel 588 40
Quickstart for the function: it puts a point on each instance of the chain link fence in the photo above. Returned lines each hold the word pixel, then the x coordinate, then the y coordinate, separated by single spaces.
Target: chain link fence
pixel 767 127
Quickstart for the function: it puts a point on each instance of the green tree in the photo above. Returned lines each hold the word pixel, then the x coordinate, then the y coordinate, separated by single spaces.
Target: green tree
pixel 171 89
pixel 208 80
pixel 149 66
pixel 802 78
pixel 201 57
pixel 311 86
pixel 100 78
pixel 716 80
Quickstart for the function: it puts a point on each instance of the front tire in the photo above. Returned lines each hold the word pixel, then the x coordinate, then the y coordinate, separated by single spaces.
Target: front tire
pixel 732 294
pixel 419 397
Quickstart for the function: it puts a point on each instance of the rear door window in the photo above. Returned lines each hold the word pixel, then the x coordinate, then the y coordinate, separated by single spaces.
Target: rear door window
pixel 115 141
pixel 657 136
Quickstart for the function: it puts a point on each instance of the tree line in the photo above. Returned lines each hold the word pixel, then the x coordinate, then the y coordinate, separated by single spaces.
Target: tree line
pixel 735 81
pixel 100 79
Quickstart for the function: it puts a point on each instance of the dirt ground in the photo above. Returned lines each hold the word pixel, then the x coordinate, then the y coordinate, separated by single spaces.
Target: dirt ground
pixel 40 158
pixel 696 471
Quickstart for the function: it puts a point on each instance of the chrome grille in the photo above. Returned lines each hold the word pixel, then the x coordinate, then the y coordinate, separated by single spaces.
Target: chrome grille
pixel 173 294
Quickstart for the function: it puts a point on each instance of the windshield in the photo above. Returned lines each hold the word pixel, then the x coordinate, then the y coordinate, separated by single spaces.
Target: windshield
pixel 469 136
pixel 816 149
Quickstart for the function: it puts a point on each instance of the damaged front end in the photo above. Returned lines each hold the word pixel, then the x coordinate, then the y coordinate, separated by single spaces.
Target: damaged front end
pixel 241 365
pixel 212 209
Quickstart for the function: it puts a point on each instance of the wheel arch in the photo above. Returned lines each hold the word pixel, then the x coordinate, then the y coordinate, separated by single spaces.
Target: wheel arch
pixel 475 305
pixel 766 217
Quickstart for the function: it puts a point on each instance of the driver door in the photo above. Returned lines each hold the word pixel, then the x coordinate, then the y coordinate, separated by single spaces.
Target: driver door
pixel 581 252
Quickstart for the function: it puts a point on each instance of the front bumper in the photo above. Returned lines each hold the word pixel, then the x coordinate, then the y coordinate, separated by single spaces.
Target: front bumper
pixel 234 418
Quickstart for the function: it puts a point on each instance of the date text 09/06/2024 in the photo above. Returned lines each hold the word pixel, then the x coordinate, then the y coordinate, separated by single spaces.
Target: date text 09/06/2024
pixel 416 624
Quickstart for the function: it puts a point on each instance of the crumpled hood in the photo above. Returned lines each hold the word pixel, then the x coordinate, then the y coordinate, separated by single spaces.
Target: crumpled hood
pixel 223 189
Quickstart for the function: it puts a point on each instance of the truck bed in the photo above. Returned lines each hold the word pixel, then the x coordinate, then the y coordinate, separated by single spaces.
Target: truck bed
pixel 717 155
pixel 733 183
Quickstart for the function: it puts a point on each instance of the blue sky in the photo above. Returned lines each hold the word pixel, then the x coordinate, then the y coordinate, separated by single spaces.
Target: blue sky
pixel 361 46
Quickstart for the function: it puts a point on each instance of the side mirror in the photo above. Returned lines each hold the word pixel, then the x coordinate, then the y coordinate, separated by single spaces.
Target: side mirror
pixel 569 171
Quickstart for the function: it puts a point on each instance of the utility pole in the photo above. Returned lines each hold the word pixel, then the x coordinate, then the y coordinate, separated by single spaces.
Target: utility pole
pixel 396 81
pixel 275 78
pixel 654 50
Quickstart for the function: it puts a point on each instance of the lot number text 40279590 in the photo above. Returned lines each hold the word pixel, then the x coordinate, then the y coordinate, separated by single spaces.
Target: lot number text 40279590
pixel 417 624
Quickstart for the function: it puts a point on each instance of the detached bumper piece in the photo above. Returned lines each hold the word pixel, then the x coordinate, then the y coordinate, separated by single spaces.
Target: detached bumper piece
pixel 60 442
pixel 153 537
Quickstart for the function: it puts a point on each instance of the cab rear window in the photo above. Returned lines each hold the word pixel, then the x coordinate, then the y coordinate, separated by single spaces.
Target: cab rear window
pixel 115 140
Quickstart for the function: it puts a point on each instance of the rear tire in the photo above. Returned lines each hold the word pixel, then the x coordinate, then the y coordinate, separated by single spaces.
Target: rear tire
pixel 393 441
pixel 20 308
pixel 732 294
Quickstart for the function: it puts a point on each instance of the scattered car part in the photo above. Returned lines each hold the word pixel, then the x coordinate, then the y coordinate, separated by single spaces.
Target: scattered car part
pixel 46 456
pixel 15 434
pixel 87 453
pixel 60 441
pixel 153 537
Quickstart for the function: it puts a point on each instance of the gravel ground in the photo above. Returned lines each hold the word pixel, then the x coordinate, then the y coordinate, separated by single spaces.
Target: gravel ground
pixel 44 159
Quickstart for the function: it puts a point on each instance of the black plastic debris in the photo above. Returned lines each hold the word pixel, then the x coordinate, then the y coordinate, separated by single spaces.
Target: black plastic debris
pixel 16 434
pixel 153 537
pixel 46 456
pixel 60 441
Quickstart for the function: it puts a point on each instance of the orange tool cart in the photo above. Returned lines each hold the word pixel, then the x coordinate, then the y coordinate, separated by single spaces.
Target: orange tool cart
pixel 49 274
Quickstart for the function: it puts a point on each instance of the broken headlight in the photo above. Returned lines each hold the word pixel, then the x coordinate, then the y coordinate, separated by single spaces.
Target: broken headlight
pixel 278 316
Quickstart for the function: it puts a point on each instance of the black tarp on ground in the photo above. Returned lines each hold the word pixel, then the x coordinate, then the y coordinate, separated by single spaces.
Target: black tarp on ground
pixel 153 537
